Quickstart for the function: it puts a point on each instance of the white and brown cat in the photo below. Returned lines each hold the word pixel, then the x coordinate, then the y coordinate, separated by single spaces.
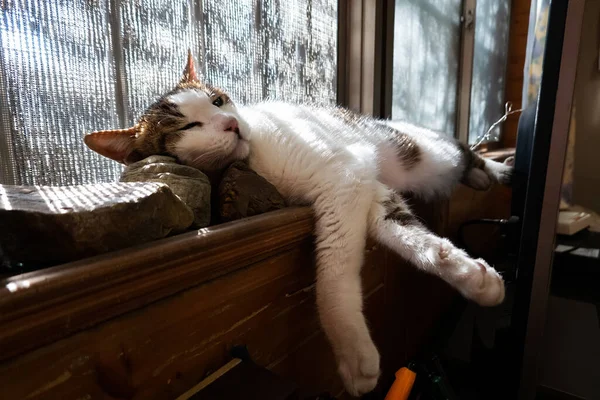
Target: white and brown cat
pixel 351 169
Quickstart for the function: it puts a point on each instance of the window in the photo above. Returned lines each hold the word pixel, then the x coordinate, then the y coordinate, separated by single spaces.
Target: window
pixel 430 37
pixel 69 67
pixel 426 59
pixel 490 55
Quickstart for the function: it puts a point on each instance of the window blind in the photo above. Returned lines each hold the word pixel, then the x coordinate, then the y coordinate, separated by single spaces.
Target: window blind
pixel 69 67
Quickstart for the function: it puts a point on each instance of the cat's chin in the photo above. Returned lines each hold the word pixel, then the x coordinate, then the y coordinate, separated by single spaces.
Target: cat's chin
pixel 241 150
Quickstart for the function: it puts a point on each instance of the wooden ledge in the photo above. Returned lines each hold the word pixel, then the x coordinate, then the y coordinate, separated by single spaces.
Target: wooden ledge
pixel 43 306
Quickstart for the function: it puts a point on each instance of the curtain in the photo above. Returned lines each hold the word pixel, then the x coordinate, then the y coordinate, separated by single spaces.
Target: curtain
pixel 536 43
pixel 68 67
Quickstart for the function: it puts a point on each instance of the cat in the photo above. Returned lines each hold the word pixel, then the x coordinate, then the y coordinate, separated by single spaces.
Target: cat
pixel 352 171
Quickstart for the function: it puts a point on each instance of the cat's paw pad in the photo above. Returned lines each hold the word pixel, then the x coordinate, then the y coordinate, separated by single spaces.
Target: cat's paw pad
pixel 483 285
pixel 359 369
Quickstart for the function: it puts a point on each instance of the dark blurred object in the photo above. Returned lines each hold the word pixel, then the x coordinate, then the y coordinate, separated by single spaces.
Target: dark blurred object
pixel 574 275
pixel 241 378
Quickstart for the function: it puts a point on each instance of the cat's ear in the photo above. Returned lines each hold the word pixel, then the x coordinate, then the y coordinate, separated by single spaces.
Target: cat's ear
pixel 116 143
pixel 189 73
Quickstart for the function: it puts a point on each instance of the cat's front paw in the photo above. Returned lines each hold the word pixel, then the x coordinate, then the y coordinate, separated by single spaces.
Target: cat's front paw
pixel 483 285
pixel 475 279
pixel 359 368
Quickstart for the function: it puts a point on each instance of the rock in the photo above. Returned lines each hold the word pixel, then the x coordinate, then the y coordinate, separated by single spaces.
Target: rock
pixel 50 225
pixel 244 193
pixel 190 184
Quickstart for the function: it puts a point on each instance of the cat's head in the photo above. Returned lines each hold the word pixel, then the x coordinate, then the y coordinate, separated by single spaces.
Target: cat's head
pixel 195 122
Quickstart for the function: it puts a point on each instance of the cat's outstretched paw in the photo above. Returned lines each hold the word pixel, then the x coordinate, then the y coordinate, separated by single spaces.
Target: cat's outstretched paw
pixel 491 290
pixel 475 279
pixel 483 285
pixel 359 368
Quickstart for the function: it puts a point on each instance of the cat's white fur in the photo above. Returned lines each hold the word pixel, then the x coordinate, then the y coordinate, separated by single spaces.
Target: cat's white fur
pixel 347 173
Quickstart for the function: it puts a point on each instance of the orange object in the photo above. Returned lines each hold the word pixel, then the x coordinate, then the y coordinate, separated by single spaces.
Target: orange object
pixel 400 390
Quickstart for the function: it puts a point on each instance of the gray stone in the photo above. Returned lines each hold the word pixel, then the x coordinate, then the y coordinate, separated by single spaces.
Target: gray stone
pixel 49 225
pixel 244 193
pixel 190 184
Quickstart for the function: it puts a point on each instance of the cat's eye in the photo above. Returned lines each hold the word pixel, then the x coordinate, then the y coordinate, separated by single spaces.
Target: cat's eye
pixel 218 101
pixel 190 125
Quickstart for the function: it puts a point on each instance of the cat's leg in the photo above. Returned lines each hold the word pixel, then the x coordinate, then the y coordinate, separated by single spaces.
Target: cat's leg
pixel 481 173
pixel 341 231
pixel 393 224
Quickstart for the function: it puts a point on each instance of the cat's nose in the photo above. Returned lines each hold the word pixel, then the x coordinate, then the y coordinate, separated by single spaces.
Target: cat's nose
pixel 231 125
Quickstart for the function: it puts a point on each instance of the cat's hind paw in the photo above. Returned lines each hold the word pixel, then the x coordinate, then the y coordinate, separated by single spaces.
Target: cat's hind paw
pixel 359 368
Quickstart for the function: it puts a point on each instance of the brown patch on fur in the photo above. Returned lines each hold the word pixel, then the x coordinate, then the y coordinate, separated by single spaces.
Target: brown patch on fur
pixel 407 149
pixel 158 129
pixel 398 211
pixel 160 125
pixel 470 160
pixel 213 92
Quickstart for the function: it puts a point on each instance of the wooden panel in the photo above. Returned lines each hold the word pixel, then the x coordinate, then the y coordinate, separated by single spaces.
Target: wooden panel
pixel 163 349
pixel 312 364
pixel 517 45
pixel 159 318
pixel 159 351
pixel 46 305
pixel 468 204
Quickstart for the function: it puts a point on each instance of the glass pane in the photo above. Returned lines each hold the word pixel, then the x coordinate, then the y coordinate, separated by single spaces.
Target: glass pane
pixel 426 60
pixel 489 66
pixel 287 50
pixel 156 35
pixel 57 84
